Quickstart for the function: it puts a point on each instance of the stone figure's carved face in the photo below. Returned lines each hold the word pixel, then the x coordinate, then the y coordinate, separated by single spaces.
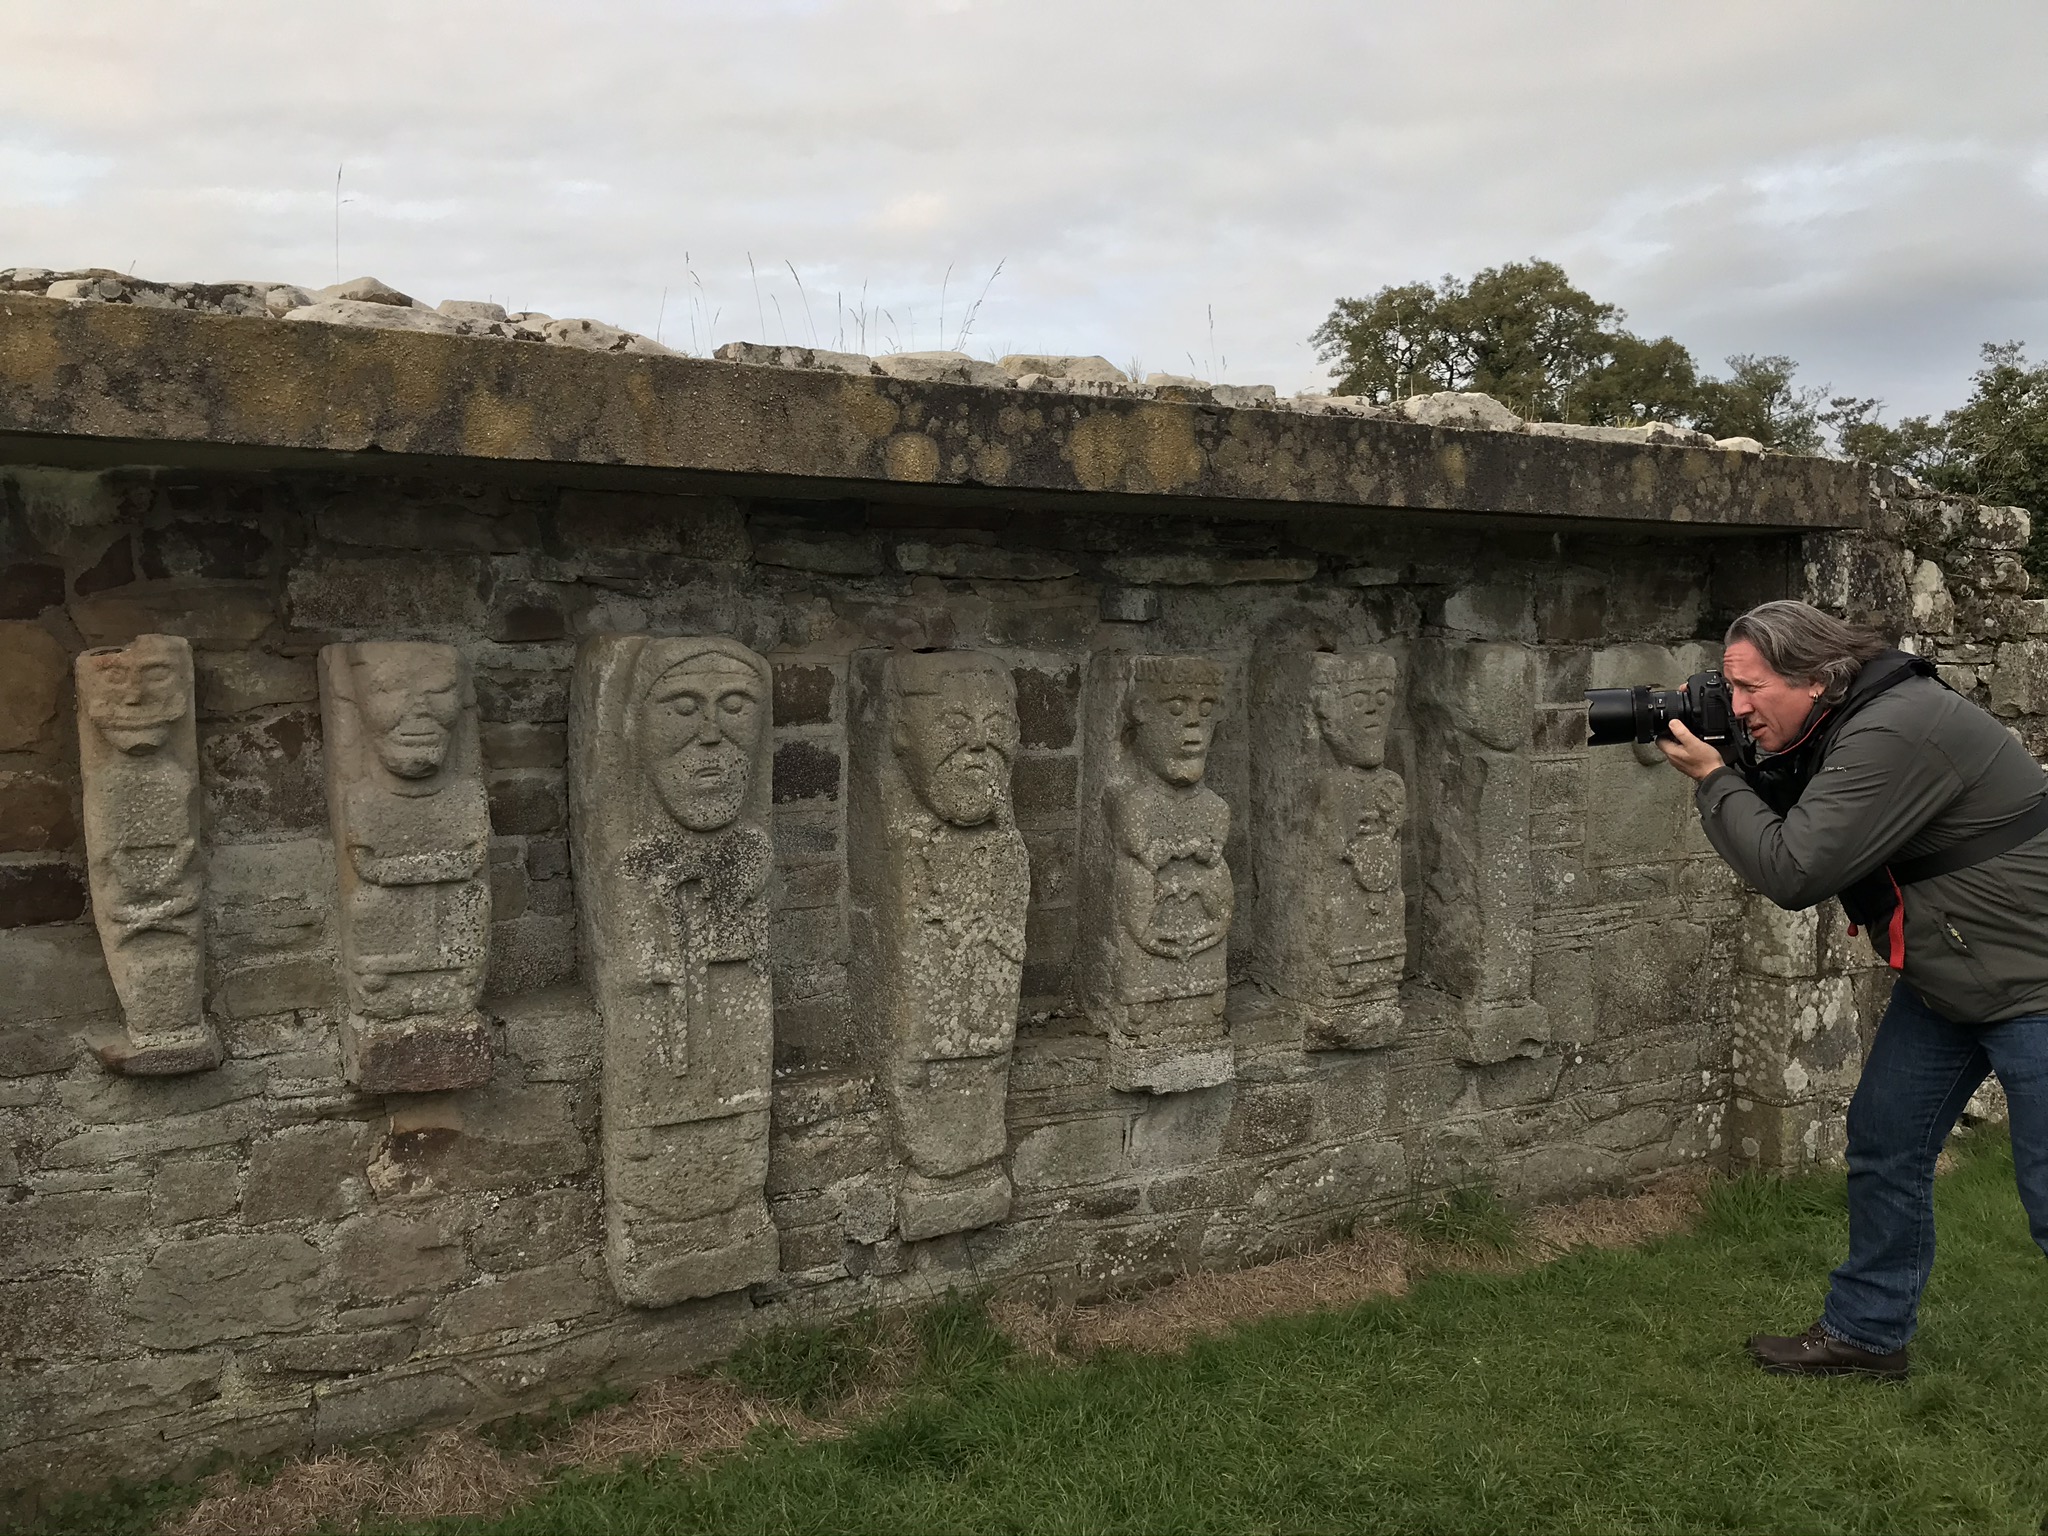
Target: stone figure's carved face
pixel 699 724
pixel 1352 705
pixel 1173 720
pixel 137 692
pixel 409 697
pixel 956 738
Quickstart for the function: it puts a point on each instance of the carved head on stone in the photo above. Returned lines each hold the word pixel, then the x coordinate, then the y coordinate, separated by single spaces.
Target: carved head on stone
pixel 954 731
pixel 409 697
pixel 135 693
pixel 1171 712
pixel 1353 697
pixel 700 713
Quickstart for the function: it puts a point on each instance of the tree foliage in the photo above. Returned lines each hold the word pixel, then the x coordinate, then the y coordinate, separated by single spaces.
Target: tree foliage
pixel 1993 446
pixel 1524 333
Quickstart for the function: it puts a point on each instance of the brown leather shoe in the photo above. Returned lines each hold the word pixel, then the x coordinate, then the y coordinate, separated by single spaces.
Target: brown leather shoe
pixel 1817 1352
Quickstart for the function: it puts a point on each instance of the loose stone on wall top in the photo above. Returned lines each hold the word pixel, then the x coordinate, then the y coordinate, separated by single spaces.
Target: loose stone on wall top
pixel 139 764
pixel 669 796
pixel 405 794
pixel 941 882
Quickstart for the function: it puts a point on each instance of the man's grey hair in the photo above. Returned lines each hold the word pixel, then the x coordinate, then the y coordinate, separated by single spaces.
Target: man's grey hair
pixel 1803 645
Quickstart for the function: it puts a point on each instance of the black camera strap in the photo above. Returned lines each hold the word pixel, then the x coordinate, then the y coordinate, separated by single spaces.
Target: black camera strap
pixel 1988 844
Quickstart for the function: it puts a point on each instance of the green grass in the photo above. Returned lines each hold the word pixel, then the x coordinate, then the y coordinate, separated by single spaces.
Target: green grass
pixel 1473 1218
pixel 1605 1392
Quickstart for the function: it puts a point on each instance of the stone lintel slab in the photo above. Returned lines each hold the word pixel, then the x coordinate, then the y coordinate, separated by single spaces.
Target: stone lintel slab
pixel 97 385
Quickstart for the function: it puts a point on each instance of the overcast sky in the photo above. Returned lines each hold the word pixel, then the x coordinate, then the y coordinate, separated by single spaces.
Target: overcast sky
pixel 1862 184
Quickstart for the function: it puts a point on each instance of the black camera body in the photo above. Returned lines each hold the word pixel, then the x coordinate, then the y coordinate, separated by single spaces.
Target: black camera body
pixel 1642 714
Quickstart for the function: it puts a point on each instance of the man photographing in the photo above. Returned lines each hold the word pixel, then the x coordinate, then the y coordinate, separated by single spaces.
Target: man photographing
pixel 1872 781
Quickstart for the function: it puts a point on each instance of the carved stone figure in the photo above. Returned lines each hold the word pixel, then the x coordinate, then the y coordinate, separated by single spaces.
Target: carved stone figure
pixel 1475 704
pixel 1157 894
pixel 669 794
pixel 138 755
pixel 1332 921
pixel 941 884
pixel 405 795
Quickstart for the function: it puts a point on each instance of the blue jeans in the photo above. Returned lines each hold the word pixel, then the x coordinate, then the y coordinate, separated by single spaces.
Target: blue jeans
pixel 1921 1072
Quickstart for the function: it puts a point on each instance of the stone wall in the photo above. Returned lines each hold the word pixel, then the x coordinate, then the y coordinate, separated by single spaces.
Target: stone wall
pixel 885 889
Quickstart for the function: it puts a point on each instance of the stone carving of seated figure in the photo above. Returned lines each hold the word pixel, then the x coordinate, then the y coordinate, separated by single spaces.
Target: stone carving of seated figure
pixel 139 767
pixel 412 845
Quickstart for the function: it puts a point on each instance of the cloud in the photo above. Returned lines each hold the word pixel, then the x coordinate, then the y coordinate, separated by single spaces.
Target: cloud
pixel 1856 182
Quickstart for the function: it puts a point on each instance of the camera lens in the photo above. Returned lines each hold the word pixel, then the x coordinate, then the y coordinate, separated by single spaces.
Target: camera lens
pixel 1611 716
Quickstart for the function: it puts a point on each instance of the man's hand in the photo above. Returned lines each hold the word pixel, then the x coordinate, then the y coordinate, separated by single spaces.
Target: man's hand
pixel 1688 754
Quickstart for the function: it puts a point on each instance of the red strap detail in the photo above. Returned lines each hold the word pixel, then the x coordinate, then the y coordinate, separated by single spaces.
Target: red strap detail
pixel 1897 958
pixel 1854 930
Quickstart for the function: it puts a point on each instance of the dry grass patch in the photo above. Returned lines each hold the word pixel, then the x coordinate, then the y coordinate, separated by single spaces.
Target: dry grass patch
pixel 1374 1262
pixel 454 1472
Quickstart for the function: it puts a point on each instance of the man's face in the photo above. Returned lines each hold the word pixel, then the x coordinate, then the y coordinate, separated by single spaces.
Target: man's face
pixel 1771 707
pixel 956 744
pixel 699 726
pixel 1353 715
pixel 410 697
pixel 1173 724
pixel 137 693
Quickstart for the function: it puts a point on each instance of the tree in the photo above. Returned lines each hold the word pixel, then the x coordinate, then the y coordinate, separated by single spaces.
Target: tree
pixel 1994 446
pixel 1758 399
pixel 1525 334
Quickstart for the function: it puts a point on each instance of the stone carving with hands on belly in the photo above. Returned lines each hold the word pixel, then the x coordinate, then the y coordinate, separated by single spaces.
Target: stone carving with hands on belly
pixel 669 792
pixel 942 884
pixel 139 765
pixel 412 846
pixel 1171 895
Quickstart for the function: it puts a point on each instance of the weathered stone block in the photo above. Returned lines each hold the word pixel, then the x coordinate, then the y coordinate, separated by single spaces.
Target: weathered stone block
pixel 38 892
pixel 405 791
pixel 499 1136
pixel 139 760
pixel 105 1145
pixel 803 694
pixel 117 1101
pixel 941 883
pixel 235 682
pixel 1157 896
pixel 304 1174
pixel 548 1294
pixel 50 1232
pixel 193 1188
pixel 337 1354
pixel 670 779
pixel 805 770
pixel 32 667
pixel 55 1319
pixel 1796 1040
pixel 384 1405
pixel 522 1231
pixel 1066 1152
pixel 215 1288
pixel 382 1254
pixel 54 973
pixel 35 814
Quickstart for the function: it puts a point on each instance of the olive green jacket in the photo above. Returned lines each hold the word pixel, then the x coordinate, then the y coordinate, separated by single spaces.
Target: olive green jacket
pixel 1915 770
